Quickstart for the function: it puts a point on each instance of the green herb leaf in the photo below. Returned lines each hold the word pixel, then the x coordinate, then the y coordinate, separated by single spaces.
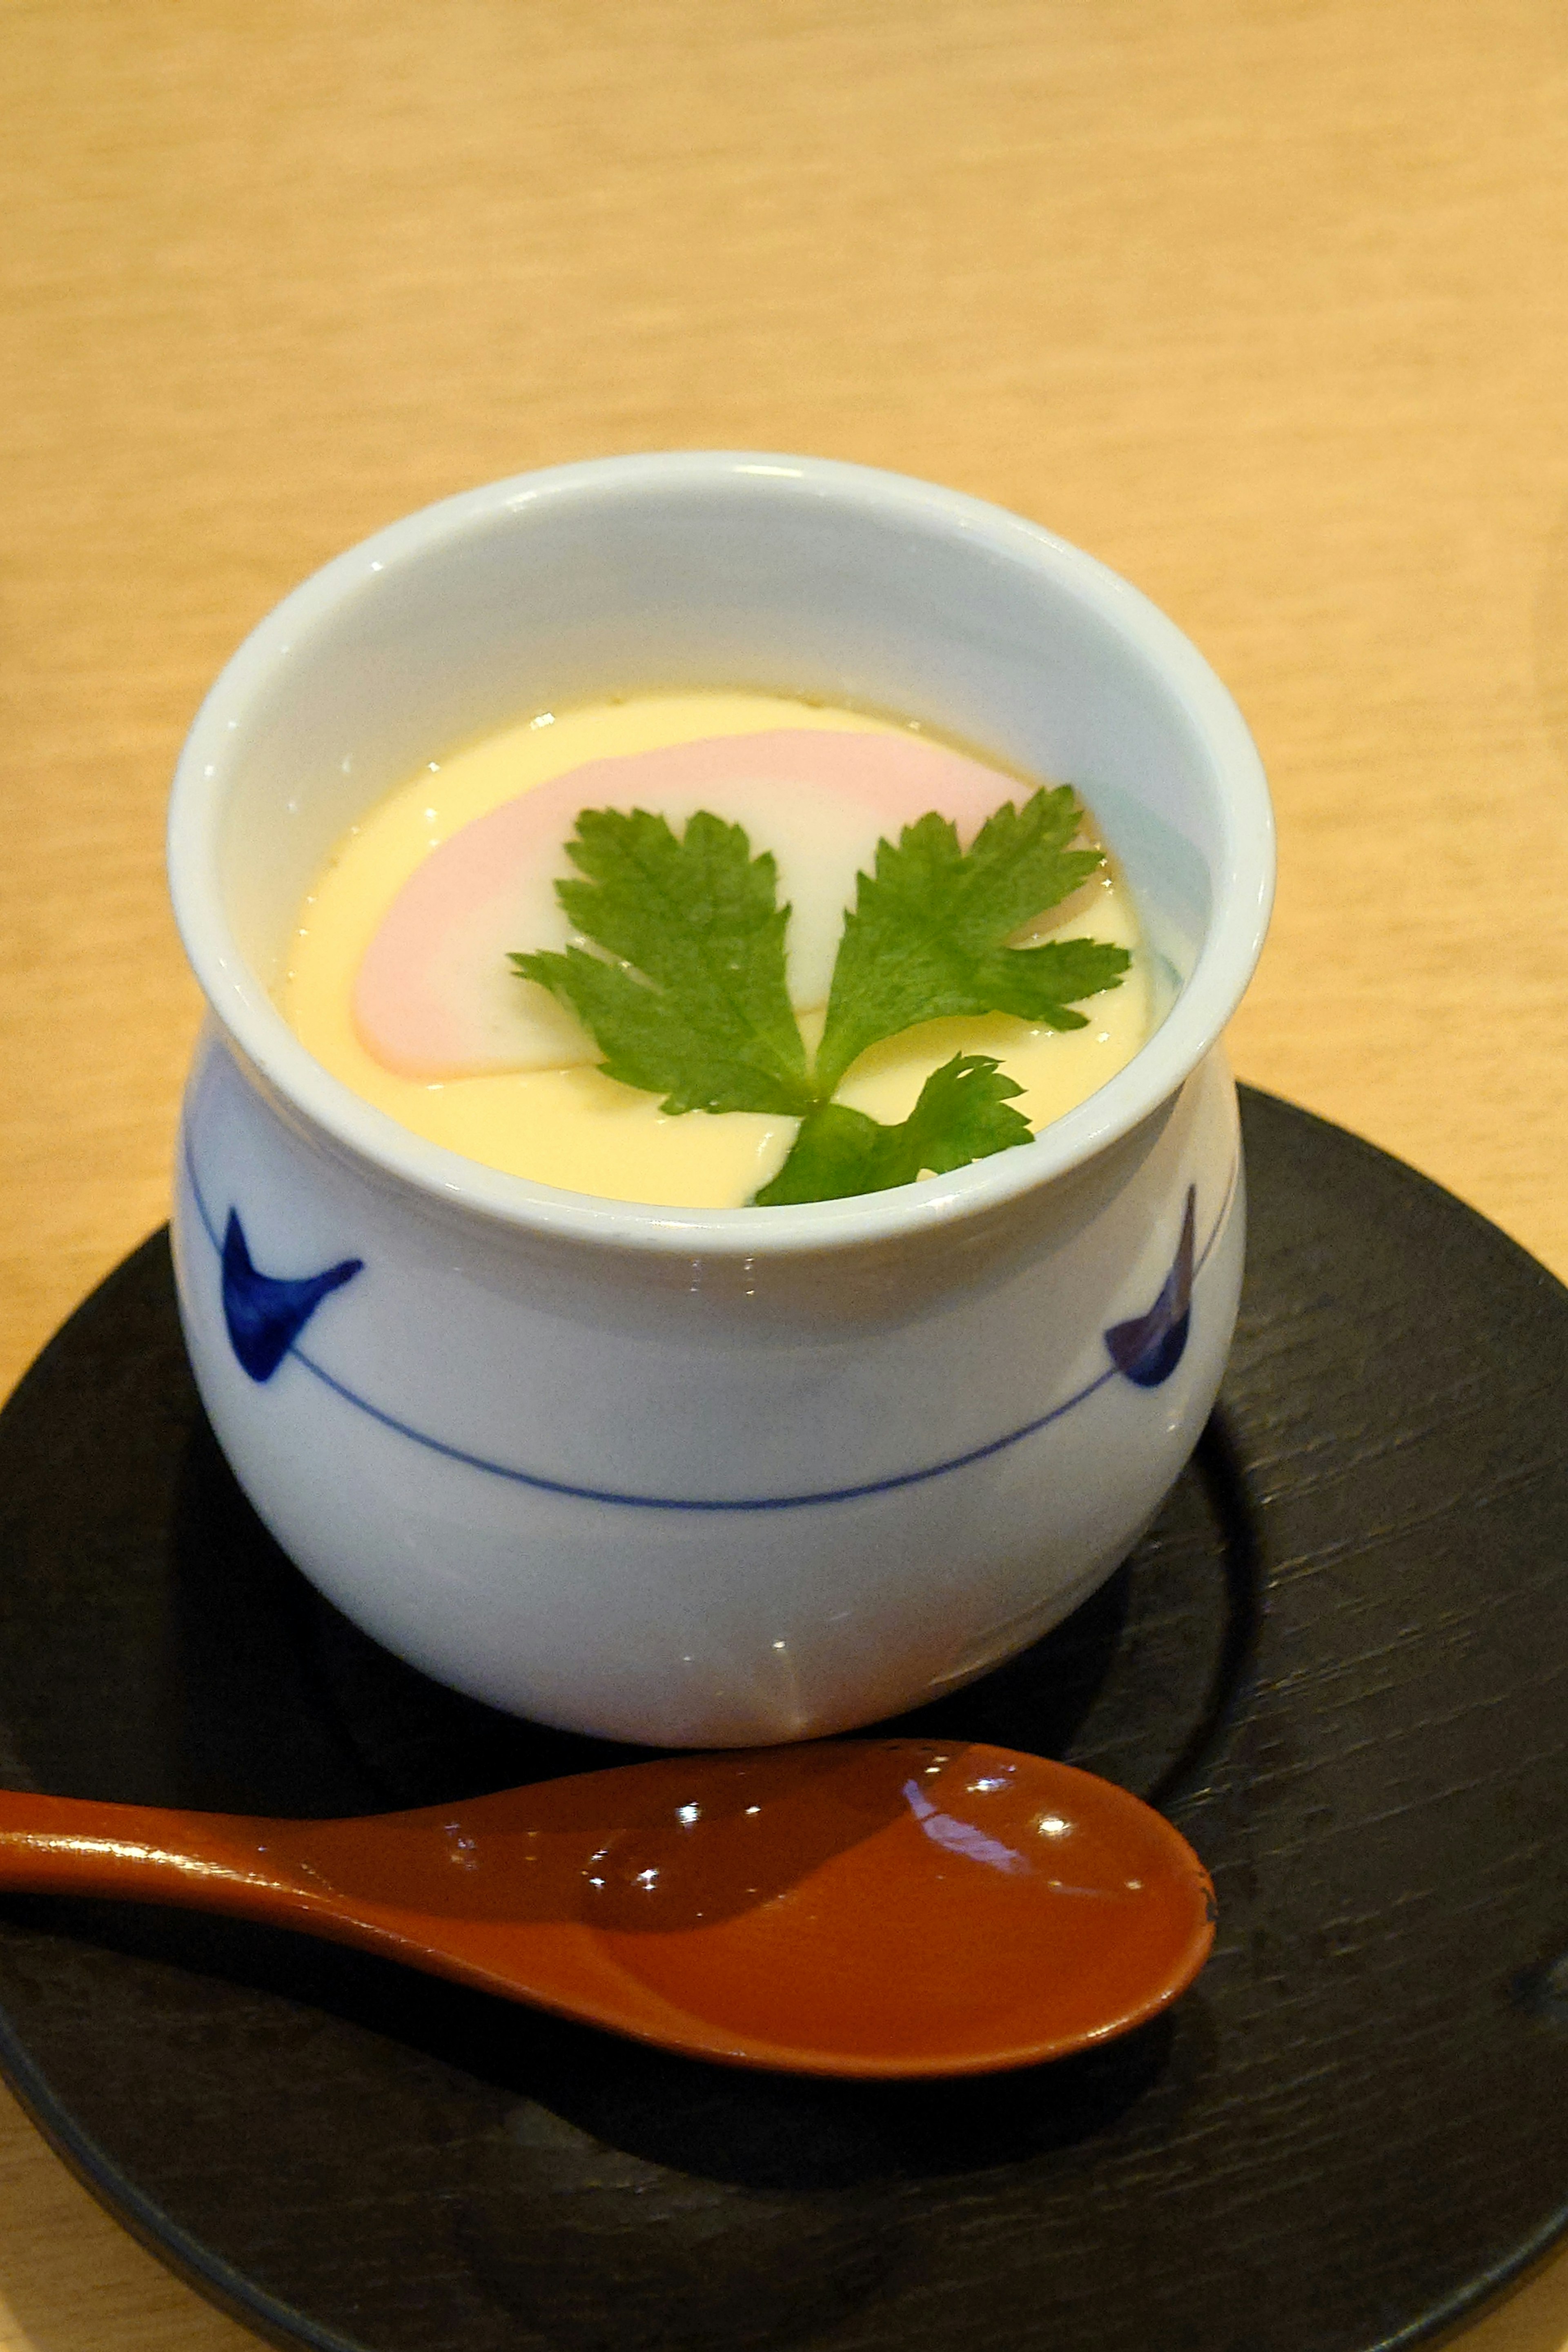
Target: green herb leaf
pixel 695 1007
pixel 926 937
pixel 963 1114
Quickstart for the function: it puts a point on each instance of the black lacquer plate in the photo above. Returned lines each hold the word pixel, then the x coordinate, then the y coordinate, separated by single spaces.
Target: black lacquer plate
pixel 1339 1662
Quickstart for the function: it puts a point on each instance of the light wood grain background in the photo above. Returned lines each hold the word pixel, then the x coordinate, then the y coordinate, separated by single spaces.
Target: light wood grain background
pixel 1265 301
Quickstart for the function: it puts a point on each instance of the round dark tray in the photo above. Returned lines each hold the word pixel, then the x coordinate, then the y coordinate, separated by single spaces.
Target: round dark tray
pixel 1340 1663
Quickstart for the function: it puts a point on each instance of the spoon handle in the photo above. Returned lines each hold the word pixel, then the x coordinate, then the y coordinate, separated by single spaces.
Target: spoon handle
pixel 145 1854
pixel 341 1880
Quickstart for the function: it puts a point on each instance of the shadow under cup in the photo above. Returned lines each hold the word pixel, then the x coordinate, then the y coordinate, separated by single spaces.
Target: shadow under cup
pixel 710 1476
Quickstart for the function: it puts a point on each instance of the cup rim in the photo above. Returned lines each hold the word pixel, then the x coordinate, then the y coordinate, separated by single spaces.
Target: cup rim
pixel 244 1008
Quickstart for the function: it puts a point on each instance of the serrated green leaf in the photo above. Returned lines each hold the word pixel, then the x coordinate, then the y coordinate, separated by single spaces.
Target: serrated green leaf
pixel 925 939
pixel 694 1005
pixel 963 1113
pixel 708 1024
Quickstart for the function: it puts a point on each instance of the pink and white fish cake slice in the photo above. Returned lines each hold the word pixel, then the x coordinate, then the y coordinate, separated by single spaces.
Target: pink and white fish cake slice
pixel 436 997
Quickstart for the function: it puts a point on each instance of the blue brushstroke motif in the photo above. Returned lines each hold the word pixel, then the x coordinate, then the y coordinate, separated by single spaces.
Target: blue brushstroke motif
pixel 265 1315
pixel 814 1498
pixel 1149 1348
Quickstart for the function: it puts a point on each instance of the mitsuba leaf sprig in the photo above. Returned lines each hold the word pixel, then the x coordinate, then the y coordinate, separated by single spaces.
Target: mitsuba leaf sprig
pixel 688 1000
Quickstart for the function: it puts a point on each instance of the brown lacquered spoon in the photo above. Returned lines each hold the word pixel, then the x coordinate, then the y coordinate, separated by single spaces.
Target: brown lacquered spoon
pixel 857 1907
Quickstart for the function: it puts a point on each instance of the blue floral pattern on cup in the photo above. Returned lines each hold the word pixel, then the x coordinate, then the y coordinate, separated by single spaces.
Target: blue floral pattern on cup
pixel 266 1314
pixel 1149 1348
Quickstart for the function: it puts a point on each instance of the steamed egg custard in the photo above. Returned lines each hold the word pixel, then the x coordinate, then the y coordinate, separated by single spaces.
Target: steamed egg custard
pixel 399 978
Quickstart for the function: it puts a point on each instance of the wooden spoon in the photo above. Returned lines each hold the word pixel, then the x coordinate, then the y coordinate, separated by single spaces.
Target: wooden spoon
pixel 857 1907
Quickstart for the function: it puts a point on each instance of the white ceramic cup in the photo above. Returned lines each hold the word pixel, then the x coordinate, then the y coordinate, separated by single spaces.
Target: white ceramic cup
pixel 709 1477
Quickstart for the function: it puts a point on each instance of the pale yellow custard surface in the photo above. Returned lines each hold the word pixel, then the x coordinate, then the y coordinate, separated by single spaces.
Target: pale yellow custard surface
pixel 586 1133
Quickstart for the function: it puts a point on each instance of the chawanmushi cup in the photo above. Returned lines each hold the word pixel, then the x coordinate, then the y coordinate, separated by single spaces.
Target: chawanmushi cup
pixel 709 1477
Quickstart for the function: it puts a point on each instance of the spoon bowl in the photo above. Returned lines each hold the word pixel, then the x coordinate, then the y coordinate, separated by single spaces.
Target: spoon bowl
pixel 880 1907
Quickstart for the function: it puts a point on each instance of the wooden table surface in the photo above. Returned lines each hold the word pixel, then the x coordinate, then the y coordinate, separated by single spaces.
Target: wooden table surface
pixel 1265 301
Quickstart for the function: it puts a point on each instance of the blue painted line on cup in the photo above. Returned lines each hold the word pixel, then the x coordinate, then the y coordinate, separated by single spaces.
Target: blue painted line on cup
pixel 578 1493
